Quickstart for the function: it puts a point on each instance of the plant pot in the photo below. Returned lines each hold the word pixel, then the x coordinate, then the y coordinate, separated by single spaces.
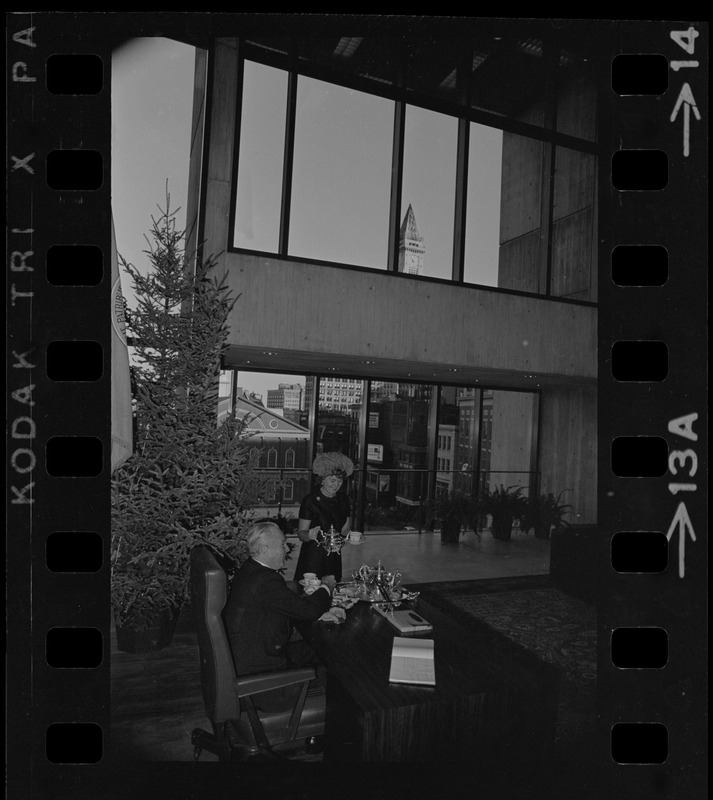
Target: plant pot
pixel 155 637
pixel 502 528
pixel 450 532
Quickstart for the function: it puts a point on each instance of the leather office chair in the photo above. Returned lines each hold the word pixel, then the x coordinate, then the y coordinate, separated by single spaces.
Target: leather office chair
pixel 239 729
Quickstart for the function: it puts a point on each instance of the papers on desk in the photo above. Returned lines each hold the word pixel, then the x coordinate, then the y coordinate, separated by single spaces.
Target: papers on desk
pixel 412 661
pixel 404 619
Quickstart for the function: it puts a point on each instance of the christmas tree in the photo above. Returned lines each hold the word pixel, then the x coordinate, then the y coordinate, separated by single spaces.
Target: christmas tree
pixel 189 480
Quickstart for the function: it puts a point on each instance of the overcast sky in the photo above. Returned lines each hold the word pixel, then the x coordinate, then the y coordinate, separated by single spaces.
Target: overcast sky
pixel 152 96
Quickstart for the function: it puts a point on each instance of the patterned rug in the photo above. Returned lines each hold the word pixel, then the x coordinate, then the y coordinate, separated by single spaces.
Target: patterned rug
pixel 529 611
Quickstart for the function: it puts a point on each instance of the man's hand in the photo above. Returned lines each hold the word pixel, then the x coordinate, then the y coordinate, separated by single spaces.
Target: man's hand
pixel 337 615
pixel 329 581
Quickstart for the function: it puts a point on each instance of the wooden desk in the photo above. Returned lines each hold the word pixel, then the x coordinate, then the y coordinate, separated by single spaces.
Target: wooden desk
pixel 490 706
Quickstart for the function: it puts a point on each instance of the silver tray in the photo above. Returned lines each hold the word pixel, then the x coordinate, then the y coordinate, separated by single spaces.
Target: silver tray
pixel 368 595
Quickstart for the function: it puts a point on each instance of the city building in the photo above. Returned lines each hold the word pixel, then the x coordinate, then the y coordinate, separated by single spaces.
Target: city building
pixel 280 450
pixel 411 247
pixel 335 394
pixel 287 396
pixel 308 161
pixel 445 459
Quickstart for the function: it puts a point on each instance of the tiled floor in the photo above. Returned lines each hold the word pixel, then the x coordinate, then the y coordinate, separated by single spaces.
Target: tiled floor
pixel 421 558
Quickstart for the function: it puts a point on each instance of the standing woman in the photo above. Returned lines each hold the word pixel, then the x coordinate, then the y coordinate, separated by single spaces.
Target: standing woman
pixel 321 509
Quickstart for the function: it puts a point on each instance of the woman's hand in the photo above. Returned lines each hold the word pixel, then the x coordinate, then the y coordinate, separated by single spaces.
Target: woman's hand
pixel 305 533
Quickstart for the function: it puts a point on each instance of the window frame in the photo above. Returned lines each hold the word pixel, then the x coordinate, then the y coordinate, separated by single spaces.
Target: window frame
pixel 363 469
pixel 402 97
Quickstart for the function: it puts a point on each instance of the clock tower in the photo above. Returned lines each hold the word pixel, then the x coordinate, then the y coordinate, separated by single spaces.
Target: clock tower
pixel 411 249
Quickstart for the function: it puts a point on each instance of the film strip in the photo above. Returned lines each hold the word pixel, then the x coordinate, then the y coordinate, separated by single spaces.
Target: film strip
pixel 653 179
pixel 652 387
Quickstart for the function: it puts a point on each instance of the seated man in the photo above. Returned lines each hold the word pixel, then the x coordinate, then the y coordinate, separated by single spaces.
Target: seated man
pixel 260 611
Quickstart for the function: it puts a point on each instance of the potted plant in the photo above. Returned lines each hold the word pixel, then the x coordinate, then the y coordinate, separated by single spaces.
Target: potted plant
pixel 455 510
pixel 543 513
pixel 506 505
pixel 189 479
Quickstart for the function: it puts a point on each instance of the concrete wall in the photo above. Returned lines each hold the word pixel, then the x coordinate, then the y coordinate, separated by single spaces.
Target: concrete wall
pixel 331 311
pixel 568 450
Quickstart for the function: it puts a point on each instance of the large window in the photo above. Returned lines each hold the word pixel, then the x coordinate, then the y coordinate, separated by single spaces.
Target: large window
pixel 341 176
pixel 482 240
pixel 277 437
pixel 399 469
pixel 459 435
pixel 409 442
pixel 507 441
pixel 338 424
pixel 260 168
pixel 573 225
pixel 429 181
pixel 522 244
pixel 332 173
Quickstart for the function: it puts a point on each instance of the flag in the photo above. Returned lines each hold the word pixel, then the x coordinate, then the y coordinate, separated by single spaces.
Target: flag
pixel 121 416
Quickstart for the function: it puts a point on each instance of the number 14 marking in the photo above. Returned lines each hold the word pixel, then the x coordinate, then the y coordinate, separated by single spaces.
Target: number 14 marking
pixel 687 41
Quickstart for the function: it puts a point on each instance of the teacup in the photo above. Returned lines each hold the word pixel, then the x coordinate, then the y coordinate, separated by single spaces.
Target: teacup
pixel 356 536
pixel 310 576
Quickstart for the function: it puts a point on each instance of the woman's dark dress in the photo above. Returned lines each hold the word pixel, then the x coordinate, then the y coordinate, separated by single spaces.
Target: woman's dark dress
pixel 325 512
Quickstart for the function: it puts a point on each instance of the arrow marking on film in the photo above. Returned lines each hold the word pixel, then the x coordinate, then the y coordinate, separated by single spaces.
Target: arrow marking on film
pixel 685 99
pixel 683 522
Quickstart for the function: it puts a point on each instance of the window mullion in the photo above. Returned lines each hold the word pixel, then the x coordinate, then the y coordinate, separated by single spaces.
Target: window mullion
pixel 397 173
pixel 363 433
pixel 535 446
pixel 551 55
pixel 478 439
pixel 290 117
pixel 548 181
pixel 433 441
pixel 312 421
pixel 461 188
pixel 463 81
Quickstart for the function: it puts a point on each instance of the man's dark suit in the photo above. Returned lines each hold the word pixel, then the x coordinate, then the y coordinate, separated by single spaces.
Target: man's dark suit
pixel 258 617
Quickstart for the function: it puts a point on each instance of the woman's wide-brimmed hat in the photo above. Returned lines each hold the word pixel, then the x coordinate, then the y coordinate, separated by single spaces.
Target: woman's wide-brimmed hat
pixel 333 464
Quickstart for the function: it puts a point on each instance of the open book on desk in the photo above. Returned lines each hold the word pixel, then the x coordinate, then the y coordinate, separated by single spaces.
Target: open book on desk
pixel 412 661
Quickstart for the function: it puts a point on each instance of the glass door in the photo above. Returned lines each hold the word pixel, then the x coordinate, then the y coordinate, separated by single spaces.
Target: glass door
pixel 338 429
pixel 398 455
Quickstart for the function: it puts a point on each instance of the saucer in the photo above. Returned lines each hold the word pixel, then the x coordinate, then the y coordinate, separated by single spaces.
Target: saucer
pixel 304 583
pixel 359 541
pixel 342 601
pixel 347 591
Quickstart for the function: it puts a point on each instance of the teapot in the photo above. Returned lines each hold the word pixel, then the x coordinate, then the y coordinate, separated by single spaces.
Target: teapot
pixel 332 541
